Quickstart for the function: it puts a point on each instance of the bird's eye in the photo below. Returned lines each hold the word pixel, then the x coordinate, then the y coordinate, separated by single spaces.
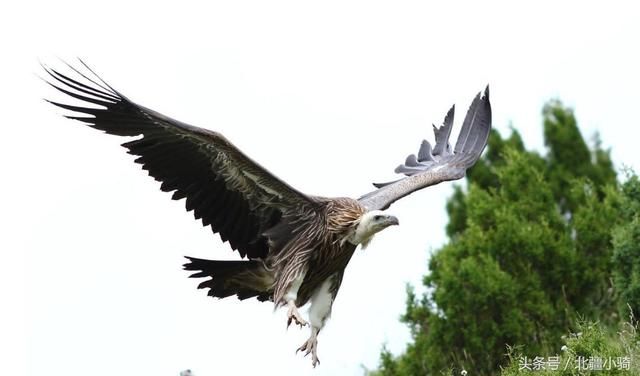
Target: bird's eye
pixel 377 218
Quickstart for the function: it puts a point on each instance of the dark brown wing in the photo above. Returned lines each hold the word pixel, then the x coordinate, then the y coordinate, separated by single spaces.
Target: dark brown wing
pixel 431 167
pixel 237 197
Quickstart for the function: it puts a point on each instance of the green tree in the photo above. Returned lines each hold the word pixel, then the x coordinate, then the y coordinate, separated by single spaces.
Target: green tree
pixel 483 174
pixel 569 156
pixel 626 241
pixel 529 247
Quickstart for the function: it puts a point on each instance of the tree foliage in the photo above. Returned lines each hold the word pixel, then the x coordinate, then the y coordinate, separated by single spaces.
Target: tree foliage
pixel 530 247
pixel 626 242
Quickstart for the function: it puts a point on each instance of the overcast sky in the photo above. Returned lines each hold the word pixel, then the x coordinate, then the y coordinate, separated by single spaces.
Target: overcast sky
pixel 330 96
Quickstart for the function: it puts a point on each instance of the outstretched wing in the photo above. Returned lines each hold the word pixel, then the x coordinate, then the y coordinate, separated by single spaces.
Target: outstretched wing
pixel 438 164
pixel 234 195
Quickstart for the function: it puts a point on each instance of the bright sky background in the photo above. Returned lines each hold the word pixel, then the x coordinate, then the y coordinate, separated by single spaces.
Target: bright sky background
pixel 328 95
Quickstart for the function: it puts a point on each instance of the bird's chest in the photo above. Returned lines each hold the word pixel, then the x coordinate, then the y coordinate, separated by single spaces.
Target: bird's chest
pixel 323 265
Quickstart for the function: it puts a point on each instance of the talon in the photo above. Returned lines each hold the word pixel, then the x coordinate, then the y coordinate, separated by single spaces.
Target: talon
pixel 310 347
pixel 293 314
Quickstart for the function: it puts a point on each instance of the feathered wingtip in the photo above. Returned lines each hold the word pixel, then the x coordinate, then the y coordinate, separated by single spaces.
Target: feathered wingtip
pixel 476 126
pixel 427 155
pixel 102 107
pixel 471 140
pixel 101 90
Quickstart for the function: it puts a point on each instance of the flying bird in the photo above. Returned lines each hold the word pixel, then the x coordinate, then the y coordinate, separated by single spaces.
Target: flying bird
pixel 294 247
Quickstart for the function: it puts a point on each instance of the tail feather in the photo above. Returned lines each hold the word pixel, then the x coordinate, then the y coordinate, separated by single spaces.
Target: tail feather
pixel 245 279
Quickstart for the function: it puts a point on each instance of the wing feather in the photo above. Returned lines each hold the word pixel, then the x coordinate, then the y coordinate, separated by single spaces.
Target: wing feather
pixel 234 195
pixel 442 164
pixel 442 134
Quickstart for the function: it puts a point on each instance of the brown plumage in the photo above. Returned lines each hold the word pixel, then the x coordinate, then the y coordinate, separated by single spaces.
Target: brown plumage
pixel 296 246
pixel 332 251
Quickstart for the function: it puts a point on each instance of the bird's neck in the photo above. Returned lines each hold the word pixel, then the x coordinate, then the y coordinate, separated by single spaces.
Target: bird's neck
pixel 361 235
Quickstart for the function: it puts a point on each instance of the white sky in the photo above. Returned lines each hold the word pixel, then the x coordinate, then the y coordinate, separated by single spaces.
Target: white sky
pixel 329 95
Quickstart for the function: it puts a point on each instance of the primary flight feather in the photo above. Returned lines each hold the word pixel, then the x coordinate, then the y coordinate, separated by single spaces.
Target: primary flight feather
pixel 294 247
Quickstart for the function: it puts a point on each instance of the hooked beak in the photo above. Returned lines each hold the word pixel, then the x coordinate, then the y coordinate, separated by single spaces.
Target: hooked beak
pixel 393 220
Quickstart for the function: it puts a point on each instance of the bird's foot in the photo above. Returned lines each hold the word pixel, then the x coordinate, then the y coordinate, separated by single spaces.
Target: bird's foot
pixel 294 315
pixel 310 347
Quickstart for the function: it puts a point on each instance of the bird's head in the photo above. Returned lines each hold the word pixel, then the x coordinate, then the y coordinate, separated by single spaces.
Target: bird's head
pixel 371 223
pixel 377 220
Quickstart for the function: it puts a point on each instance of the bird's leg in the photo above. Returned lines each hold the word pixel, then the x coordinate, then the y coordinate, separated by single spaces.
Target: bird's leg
pixel 293 314
pixel 290 297
pixel 321 302
pixel 310 346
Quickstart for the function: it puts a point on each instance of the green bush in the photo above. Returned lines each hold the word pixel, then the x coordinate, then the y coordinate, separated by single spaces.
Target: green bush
pixel 592 349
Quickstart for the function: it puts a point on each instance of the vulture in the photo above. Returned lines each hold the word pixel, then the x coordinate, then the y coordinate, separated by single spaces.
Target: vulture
pixel 293 247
